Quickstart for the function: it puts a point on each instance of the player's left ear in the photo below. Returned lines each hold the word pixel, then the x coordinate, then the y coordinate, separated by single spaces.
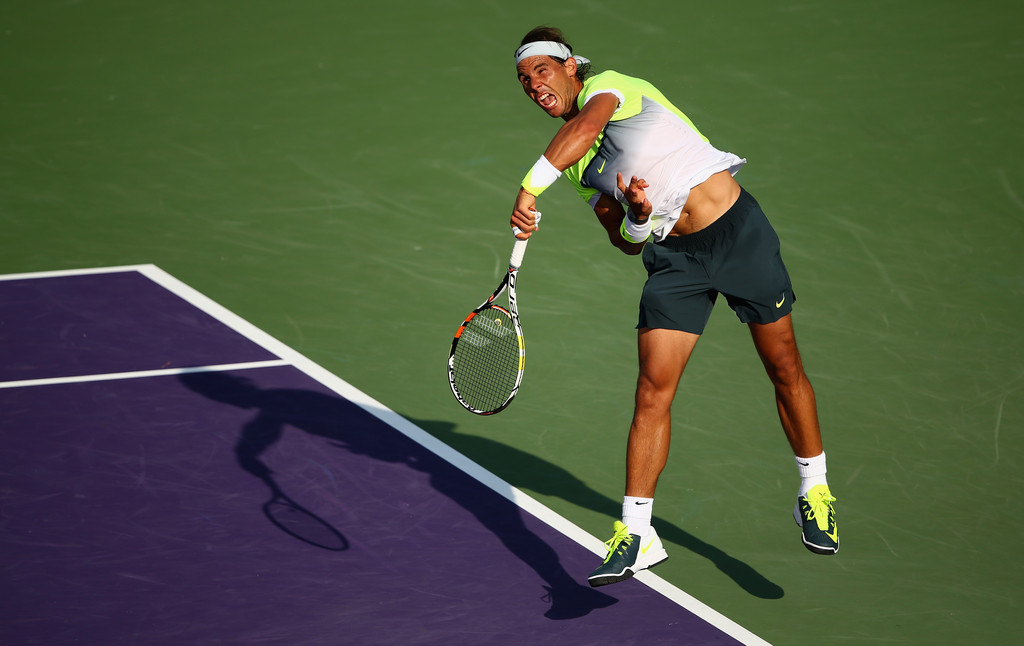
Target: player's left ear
pixel 570 66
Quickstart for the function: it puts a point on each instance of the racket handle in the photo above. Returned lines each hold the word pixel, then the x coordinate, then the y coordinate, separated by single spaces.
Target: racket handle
pixel 520 247
pixel 518 250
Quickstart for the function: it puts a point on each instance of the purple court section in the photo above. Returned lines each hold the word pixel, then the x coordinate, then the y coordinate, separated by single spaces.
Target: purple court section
pixel 258 507
pixel 95 324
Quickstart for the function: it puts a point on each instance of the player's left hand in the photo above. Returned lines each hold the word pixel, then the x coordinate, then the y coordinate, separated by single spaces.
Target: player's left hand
pixel 636 196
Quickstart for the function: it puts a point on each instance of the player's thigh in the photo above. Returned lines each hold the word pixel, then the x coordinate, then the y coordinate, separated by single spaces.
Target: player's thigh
pixel 776 345
pixel 663 356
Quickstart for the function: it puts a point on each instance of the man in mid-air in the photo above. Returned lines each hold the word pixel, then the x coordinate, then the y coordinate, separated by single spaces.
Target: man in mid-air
pixel 701 234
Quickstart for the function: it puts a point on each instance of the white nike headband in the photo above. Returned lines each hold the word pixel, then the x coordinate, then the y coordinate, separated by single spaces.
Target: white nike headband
pixel 547 48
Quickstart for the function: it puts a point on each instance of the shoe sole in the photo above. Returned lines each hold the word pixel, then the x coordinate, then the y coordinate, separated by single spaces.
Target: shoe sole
pixel 656 558
pixel 820 549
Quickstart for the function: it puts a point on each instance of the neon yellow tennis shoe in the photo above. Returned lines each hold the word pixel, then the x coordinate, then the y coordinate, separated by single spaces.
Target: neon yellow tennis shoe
pixel 817 518
pixel 627 555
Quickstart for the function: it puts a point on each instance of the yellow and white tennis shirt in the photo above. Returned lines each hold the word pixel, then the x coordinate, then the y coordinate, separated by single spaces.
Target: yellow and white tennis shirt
pixel 652 139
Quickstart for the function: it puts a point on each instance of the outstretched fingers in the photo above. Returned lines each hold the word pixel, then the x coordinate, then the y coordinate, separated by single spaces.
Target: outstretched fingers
pixel 635 195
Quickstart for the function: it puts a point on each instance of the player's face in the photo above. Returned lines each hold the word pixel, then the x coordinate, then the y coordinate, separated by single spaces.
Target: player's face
pixel 549 84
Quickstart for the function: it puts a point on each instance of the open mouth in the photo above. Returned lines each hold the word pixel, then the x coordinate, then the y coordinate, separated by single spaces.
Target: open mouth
pixel 547 100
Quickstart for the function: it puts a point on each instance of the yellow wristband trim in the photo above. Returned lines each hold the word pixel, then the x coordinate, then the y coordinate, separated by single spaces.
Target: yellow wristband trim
pixel 542 175
pixel 532 188
pixel 632 233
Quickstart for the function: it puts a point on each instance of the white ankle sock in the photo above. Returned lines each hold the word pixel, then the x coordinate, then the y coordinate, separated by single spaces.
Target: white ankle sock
pixel 812 472
pixel 636 514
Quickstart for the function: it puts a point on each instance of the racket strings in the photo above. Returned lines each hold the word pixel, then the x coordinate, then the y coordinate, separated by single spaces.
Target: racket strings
pixel 486 363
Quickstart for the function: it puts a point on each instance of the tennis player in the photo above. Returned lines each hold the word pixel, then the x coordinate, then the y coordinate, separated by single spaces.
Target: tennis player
pixel 660 189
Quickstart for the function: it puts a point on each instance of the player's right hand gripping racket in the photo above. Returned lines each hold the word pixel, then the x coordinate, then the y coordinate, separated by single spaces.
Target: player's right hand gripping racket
pixel 486 363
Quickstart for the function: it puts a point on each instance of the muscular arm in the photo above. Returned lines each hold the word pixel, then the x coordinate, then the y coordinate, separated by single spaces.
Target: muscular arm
pixel 575 138
pixel 569 145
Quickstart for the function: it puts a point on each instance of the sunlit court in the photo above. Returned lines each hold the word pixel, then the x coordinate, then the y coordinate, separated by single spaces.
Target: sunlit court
pixel 237 239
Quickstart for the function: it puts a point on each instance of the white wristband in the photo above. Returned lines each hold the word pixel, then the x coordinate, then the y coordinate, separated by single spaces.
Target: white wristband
pixel 542 175
pixel 635 233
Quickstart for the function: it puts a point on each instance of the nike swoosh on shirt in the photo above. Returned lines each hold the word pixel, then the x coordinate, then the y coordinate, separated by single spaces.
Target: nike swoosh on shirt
pixel 601 169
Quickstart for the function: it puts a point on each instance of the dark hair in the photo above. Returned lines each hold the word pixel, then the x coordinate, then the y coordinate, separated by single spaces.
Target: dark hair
pixel 555 34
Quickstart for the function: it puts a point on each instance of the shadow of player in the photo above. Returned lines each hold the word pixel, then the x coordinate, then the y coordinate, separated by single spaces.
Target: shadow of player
pixel 349 427
pixel 551 480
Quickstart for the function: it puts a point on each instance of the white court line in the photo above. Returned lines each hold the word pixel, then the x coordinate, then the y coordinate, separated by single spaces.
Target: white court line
pixel 74 272
pixel 138 374
pixel 428 441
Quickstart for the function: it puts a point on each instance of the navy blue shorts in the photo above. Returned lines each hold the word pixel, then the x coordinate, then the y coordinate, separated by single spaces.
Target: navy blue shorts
pixel 737 255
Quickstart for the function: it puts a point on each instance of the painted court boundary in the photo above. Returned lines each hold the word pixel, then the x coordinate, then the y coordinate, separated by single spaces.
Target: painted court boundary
pixel 289 356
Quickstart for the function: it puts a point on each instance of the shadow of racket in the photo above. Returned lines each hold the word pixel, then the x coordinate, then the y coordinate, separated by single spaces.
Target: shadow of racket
pixel 297 521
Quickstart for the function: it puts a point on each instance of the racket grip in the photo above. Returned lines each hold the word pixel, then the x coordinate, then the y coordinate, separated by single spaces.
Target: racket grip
pixel 518 250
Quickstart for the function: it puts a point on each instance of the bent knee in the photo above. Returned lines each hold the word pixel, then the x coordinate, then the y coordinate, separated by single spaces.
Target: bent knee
pixel 653 394
pixel 787 371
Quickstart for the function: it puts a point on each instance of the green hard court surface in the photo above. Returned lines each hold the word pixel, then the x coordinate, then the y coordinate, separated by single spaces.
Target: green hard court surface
pixel 340 174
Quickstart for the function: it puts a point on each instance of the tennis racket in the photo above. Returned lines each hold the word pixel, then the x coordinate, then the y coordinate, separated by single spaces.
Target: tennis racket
pixel 488 355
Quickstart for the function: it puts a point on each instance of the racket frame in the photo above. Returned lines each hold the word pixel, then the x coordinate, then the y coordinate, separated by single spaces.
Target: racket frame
pixel 508 283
